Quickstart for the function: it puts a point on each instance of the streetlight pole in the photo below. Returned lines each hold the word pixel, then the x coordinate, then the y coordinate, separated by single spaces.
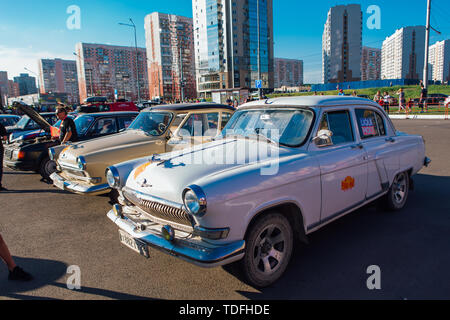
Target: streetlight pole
pixel 38 79
pixel 137 63
pixel 259 49
pixel 427 45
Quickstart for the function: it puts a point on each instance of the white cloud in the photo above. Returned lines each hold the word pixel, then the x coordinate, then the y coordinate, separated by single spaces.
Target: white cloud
pixel 14 60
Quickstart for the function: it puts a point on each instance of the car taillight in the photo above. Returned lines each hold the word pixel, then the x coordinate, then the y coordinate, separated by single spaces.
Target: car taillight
pixel 21 155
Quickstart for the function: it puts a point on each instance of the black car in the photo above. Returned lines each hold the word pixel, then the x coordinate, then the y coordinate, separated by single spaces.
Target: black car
pixel 32 154
pixel 26 124
pixel 433 98
pixel 8 120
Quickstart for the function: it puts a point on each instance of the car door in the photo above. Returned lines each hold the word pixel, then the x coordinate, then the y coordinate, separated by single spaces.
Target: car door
pixel 381 148
pixel 343 165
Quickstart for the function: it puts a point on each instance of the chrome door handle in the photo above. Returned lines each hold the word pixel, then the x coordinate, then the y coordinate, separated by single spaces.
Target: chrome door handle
pixel 358 146
pixel 390 140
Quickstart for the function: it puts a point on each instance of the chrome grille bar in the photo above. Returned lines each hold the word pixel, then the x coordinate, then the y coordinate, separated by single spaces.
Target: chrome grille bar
pixel 158 208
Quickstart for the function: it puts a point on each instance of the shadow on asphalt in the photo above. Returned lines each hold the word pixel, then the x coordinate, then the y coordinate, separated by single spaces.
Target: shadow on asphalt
pixel 47 273
pixel 411 247
pixel 10 191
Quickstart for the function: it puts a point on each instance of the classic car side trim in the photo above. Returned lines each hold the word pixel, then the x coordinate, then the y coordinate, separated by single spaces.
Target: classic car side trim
pixel 203 256
pixel 77 188
pixel 344 212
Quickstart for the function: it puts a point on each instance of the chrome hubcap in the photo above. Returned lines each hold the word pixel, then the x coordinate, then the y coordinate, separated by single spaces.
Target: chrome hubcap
pixel 269 250
pixel 399 187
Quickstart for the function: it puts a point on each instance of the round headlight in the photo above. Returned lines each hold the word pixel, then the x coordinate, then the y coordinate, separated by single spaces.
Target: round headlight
pixel 195 200
pixel 112 177
pixel 81 163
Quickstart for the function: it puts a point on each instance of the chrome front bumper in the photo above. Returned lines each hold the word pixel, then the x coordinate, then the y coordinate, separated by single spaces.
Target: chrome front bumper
pixel 78 188
pixel 203 255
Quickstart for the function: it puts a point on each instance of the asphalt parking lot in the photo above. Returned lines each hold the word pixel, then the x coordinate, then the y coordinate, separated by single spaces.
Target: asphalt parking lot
pixel 48 230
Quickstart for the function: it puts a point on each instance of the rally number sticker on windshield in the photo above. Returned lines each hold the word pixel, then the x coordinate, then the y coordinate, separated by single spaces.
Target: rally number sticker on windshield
pixel 367 127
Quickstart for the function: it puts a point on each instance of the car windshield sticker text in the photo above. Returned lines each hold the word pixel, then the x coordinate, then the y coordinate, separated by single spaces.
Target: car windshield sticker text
pixel 367 127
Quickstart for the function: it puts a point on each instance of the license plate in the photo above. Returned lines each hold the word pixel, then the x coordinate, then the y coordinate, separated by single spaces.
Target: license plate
pixel 8 154
pixel 134 244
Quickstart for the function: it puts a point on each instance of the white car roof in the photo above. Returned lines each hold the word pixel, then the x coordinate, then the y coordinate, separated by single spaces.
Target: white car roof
pixel 310 101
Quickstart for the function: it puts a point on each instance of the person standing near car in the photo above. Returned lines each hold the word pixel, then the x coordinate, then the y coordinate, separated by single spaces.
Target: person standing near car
pixel 401 100
pixel 423 97
pixel 67 130
pixel 3 137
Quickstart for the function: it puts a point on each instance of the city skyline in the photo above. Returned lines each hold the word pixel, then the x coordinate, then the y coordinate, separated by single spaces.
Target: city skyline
pixel 297 33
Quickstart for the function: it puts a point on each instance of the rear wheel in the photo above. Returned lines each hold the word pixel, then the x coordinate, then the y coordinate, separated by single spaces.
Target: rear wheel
pixel 398 193
pixel 46 168
pixel 268 250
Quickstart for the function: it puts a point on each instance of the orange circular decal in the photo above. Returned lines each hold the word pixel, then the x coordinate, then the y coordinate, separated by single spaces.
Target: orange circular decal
pixel 348 183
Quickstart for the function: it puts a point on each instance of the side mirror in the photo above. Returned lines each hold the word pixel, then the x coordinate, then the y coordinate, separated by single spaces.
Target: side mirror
pixel 323 138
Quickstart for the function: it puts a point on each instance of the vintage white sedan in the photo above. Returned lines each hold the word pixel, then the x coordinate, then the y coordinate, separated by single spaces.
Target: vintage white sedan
pixel 281 169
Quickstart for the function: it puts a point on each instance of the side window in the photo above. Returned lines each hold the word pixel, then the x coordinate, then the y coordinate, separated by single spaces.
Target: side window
pixel 380 123
pixel 103 126
pixel 368 121
pixel 124 122
pixel 211 125
pixel 200 124
pixel 340 124
pixel 225 118
pixel 31 125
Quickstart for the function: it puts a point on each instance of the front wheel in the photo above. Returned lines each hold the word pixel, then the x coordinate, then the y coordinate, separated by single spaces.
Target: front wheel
pixel 268 250
pixel 46 168
pixel 398 193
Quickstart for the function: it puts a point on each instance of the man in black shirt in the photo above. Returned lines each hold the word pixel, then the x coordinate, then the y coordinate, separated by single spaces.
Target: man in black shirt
pixel 3 137
pixel 68 130
pixel 423 96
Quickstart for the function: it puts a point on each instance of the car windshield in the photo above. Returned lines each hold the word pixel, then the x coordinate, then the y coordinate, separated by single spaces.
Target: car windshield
pixel 288 127
pixel 23 122
pixel 152 123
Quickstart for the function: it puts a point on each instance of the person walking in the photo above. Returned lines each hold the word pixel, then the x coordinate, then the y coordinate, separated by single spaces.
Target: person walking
pixel 16 273
pixel 386 101
pixel 401 100
pixel 3 137
pixel 423 97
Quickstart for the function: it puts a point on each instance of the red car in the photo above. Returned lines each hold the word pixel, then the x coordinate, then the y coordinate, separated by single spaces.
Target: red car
pixel 107 107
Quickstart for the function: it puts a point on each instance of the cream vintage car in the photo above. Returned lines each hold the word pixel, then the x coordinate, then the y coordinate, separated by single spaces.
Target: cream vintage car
pixel 281 169
pixel 81 166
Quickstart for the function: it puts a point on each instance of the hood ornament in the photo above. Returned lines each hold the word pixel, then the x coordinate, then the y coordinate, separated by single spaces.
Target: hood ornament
pixel 143 183
pixel 157 158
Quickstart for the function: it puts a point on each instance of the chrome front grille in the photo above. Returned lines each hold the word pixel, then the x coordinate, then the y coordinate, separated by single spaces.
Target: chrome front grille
pixel 157 209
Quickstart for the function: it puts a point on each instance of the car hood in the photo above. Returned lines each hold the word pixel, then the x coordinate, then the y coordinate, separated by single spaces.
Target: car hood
pixel 100 146
pixel 168 176
pixel 29 111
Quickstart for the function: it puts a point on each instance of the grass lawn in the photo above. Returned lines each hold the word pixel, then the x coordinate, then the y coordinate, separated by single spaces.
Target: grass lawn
pixel 411 92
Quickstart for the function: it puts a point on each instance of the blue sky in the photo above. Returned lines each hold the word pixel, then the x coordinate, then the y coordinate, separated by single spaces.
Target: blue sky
pixel 30 30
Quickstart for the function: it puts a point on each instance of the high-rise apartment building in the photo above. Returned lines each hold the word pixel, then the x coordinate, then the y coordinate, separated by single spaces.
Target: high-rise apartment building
pixel 104 70
pixel 27 84
pixel 170 52
pixel 370 64
pixel 439 61
pixel 288 73
pixel 233 44
pixel 342 44
pixel 4 88
pixel 403 54
pixel 13 89
pixel 59 76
